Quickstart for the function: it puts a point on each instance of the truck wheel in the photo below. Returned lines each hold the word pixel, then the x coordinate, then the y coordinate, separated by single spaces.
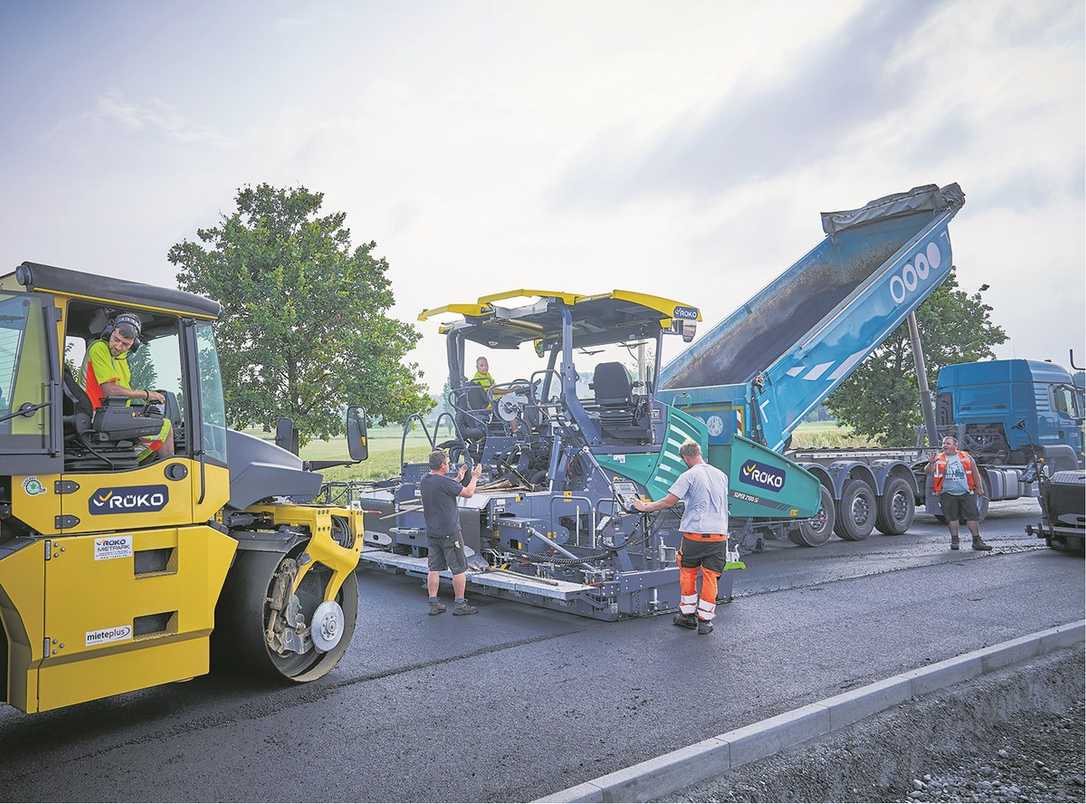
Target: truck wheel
pixel 856 512
pixel 896 507
pixel 817 530
pixel 239 641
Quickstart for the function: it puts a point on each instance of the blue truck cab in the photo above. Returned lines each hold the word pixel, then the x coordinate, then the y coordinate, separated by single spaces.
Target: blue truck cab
pixel 1009 411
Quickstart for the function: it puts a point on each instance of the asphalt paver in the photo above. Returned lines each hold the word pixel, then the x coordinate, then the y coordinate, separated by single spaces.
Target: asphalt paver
pixel 518 702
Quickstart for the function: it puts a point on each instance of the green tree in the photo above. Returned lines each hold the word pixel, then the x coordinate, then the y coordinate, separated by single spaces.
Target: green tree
pixel 880 400
pixel 305 328
pixel 142 366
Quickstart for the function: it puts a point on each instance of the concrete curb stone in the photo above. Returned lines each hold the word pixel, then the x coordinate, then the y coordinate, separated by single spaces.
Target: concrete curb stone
pixel 659 776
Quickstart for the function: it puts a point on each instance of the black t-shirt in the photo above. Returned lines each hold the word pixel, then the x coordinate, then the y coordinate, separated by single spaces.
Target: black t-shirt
pixel 439 493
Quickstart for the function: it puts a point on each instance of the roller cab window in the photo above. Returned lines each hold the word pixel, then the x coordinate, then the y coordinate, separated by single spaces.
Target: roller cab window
pixel 28 384
pixel 106 432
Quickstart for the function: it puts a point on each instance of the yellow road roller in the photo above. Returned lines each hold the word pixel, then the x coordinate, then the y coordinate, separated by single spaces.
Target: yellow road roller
pixel 140 538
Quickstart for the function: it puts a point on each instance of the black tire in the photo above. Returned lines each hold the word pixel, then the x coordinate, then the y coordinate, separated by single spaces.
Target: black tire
pixel 238 642
pixel 817 530
pixel 896 507
pixel 856 512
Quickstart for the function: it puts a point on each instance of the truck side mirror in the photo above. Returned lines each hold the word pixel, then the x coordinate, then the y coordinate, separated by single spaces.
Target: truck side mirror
pixel 286 435
pixel 357 442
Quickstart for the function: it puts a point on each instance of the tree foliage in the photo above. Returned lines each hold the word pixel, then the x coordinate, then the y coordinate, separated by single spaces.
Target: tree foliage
pixel 142 366
pixel 305 328
pixel 881 399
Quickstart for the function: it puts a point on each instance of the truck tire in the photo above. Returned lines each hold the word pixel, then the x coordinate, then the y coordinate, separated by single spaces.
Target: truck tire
pixel 896 507
pixel 856 512
pixel 816 531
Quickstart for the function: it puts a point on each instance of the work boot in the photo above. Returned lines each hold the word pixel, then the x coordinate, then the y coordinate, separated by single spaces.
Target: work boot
pixel 954 545
pixel 463 609
pixel 685 621
pixel 980 544
pixel 436 607
pixel 705 627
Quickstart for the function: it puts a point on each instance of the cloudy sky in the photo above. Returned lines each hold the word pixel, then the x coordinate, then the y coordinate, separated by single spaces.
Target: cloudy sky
pixel 684 148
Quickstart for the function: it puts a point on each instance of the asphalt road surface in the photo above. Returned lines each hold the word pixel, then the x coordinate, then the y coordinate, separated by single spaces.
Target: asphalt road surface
pixel 518 702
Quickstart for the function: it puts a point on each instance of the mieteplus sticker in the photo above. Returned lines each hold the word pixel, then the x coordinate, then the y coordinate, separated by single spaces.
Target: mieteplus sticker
pixel 118 633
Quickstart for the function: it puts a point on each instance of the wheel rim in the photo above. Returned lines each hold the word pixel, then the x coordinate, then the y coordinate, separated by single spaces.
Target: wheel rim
pixel 899 506
pixel 861 510
pixel 310 596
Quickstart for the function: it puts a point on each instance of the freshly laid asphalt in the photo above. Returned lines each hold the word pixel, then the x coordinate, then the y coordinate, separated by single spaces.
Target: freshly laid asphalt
pixel 517 702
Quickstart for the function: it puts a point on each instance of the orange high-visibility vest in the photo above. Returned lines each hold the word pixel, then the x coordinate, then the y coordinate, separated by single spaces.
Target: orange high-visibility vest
pixel 940 471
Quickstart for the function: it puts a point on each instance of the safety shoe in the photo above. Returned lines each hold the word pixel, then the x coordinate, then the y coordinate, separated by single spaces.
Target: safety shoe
pixel 980 544
pixel 705 627
pixel 954 545
pixel 685 621
pixel 437 608
pixel 464 609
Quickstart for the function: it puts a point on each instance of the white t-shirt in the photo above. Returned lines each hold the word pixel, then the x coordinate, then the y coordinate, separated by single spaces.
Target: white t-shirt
pixel 704 489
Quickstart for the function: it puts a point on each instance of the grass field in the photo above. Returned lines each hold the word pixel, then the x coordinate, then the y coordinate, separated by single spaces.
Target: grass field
pixel 384 460
pixel 825 434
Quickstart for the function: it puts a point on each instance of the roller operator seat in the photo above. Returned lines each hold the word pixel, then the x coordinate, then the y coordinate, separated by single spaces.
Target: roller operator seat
pixel 106 438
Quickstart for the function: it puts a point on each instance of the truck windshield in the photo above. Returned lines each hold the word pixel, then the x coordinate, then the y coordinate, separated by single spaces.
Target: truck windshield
pixel 213 409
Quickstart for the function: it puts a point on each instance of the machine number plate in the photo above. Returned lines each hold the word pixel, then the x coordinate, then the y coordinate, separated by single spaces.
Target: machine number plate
pixel 112 547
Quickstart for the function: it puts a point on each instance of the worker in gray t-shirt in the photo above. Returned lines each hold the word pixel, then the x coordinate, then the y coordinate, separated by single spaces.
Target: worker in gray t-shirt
pixel 704 526
pixel 439 494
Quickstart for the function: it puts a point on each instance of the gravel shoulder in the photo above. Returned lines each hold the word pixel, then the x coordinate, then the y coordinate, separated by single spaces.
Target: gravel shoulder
pixel 1016 735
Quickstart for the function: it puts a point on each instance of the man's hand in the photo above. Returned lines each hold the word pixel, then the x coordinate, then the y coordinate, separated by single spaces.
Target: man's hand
pixel 460 472
pixel 155 396
pixel 478 470
pixel 641 505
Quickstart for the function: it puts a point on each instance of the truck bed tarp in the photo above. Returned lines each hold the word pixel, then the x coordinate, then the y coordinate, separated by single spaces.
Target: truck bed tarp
pixel 929 197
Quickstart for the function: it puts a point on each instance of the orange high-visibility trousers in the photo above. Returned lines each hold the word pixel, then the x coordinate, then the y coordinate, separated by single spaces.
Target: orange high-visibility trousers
pixel 690 600
pixel 704 553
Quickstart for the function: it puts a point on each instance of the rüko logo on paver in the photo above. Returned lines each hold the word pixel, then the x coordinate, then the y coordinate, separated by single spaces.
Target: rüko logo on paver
pixel 689 313
pixel 762 475
pixel 914 272
pixel 129 499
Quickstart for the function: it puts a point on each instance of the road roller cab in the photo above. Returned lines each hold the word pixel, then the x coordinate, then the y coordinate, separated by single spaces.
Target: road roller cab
pixel 121 569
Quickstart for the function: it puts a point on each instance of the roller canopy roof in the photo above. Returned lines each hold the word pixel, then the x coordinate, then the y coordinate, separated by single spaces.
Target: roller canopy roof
pixel 597 319
pixel 115 292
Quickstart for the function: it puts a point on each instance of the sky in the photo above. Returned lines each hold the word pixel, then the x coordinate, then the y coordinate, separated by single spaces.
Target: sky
pixel 682 149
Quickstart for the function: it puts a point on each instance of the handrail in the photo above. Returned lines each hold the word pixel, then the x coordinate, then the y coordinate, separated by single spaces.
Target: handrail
pixel 437 425
pixel 406 429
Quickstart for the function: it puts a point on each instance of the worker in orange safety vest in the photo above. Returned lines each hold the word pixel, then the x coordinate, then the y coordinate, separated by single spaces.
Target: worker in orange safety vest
pixel 954 479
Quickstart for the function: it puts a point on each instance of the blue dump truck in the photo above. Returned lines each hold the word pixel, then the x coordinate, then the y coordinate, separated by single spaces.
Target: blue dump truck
pixel 763 368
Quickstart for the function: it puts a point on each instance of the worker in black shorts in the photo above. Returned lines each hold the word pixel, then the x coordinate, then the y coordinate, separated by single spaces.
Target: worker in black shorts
pixel 954 479
pixel 446 543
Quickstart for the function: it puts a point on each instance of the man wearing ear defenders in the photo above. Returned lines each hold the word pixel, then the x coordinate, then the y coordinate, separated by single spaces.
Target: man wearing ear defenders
pixel 106 373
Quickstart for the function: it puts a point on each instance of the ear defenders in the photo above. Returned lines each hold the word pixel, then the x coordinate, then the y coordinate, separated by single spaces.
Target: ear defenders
pixel 128 320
